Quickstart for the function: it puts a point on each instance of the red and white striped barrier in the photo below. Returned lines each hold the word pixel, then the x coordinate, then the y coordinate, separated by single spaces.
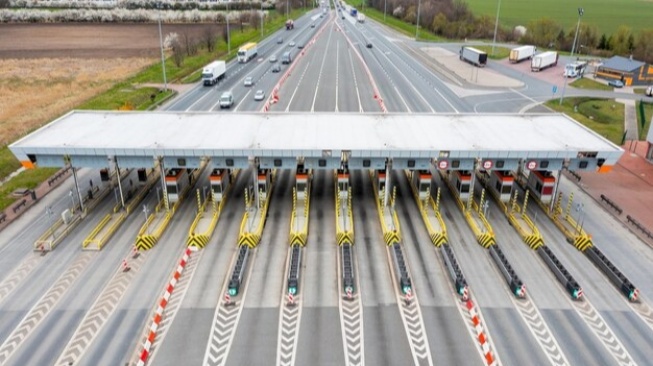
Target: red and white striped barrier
pixel 480 333
pixel 162 305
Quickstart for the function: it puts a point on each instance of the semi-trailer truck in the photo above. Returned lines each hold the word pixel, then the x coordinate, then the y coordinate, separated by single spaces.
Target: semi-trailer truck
pixel 543 60
pixel 473 56
pixel 521 53
pixel 214 72
pixel 247 52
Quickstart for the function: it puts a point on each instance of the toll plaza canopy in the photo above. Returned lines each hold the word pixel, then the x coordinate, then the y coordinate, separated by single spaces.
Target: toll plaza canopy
pixel 88 138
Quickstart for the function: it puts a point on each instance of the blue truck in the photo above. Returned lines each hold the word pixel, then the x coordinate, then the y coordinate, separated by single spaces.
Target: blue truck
pixel 353 12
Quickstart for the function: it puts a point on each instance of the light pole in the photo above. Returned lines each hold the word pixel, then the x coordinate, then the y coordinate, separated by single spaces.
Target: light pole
pixel 385 9
pixel 48 211
pixel 580 208
pixel 573 45
pixel 228 34
pixel 287 8
pixel 72 199
pixel 496 27
pixel 564 87
pixel 163 59
pixel 262 15
pixel 419 3
pixel 146 212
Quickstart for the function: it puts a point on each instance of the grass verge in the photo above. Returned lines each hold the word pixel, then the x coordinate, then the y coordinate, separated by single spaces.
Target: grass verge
pixel 648 114
pixel 499 52
pixel 585 83
pixel 29 179
pixel 603 116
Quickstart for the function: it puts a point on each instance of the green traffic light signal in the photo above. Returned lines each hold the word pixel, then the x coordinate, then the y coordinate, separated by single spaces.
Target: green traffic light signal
pixel 405 289
pixel 233 292
pixel 292 290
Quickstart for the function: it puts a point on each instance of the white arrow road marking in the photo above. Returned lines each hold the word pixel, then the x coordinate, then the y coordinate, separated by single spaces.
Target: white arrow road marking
pixel 601 329
pixel 98 314
pixel 43 306
pixel 17 275
pixel 540 330
pixel 289 320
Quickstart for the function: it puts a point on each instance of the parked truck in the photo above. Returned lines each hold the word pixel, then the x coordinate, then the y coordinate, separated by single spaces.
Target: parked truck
pixel 247 52
pixel 353 12
pixel 290 24
pixel 522 53
pixel 473 56
pixel 361 18
pixel 575 69
pixel 214 72
pixel 543 60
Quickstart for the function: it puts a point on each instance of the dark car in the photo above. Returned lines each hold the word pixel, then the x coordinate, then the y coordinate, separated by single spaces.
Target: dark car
pixel 276 68
pixel 368 45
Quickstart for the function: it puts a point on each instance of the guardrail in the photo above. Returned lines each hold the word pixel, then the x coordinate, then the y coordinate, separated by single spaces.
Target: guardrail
pixel 575 175
pixel 59 174
pixel 641 227
pixel 611 204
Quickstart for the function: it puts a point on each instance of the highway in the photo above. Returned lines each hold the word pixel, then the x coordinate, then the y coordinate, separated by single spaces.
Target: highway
pixel 71 305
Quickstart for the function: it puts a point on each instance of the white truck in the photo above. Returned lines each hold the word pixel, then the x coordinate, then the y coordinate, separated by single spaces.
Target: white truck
pixel 543 60
pixel 473 56
pixel 247 52
pixel 521 53
pixel 361 18
pixel 575 69
pixel 214 72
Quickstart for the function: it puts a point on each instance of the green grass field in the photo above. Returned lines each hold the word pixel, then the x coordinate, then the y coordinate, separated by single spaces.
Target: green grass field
pixel 607 15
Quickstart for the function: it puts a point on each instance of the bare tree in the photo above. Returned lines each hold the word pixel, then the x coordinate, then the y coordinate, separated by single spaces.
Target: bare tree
pixel 190 45
pixel 5 4
pixel 209 36
pixel 177 52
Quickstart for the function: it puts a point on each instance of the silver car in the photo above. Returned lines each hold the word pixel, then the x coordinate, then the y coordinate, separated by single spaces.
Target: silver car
pixel 273 58
pixel 249 81
pixel 260 95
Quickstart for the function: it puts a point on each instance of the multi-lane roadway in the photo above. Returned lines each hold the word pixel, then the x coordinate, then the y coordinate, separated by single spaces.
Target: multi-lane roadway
pixel 83 307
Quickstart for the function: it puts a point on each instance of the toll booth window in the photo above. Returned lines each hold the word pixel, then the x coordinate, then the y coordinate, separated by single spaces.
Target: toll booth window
pixel 500 164
pixel 582 165
pixel 411 163
pixel 261 187
pixel 544 164
pixel 172 189
pixel 301 187
pixel 464 188
pixel 229 162
pixel 423 187
pixel 507 189
pixel 181 162
pixel 322 163
pixel 277 162
pixel 367 163
pixel 455 164
pixel 382 186
pixel 217 188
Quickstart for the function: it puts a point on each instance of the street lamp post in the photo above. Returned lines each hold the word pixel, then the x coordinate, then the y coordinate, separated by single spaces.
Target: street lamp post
pixel 419 3
pixel 163 59
pixel 385 9
pixel 262 15
pixel 496 27
pixel 564 87
pixel 573 45
pixel 228 34
pixel 146 212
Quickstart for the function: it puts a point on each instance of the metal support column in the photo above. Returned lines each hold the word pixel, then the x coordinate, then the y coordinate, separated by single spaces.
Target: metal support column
pixel 388 187
pixel 472 182
pixel 555 190
pixel 166 202
pixel 117 168
pixel 79 193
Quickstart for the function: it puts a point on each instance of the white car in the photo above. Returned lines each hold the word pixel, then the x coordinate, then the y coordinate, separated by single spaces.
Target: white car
pixel 273 58
pixel 249 81
pixel 291 44
pixel 260 95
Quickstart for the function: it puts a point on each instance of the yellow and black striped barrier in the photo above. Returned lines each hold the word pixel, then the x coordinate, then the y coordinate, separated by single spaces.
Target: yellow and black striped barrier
pixel 391 237
pixel 583 242
pixel 197 240
pixel 145 241
pixel 346 237
pixel 249 239
pixel 297 238
pixel 486 240
pixel 534 241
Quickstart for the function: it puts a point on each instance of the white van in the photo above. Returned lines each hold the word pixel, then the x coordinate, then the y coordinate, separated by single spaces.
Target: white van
pixel 226 100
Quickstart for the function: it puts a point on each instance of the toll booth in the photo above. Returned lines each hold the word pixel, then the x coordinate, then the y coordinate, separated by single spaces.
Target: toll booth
pixel 176 182
pixel 542 183
pixel 462 180
pixel 220 180
pixel 422 181
pixel 302 176
pixel 501 182
pixel 343 181
pixel 380 178
pixel 263 183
